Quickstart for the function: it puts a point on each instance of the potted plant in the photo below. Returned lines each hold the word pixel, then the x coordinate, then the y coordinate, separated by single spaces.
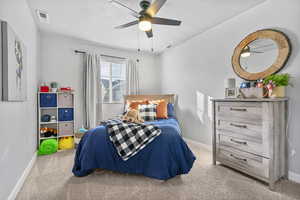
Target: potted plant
pixel 276 84
pixel 54 86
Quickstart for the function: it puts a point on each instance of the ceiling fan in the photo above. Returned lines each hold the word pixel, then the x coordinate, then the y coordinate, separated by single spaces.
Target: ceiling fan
pixel 146 17
pixel 246 52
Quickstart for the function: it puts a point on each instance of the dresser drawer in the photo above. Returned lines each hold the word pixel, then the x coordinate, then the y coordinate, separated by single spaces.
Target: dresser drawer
pixel 240 111
pixel 246 162
pixel 253 131
pixel 243 144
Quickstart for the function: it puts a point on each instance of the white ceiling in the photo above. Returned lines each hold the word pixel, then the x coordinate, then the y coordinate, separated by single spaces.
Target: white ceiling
pixel 94 20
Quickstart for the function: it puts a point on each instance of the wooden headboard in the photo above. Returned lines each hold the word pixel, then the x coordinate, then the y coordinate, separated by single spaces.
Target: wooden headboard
pixel 170 98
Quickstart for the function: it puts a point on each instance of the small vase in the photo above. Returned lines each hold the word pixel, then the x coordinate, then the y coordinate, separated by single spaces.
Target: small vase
pixel 278 92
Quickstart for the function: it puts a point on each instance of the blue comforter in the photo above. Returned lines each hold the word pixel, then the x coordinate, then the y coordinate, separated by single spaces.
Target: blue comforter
pixel 165 157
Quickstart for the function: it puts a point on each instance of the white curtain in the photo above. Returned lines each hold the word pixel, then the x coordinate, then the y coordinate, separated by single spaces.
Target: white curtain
pixel 132 76
pixel 92 91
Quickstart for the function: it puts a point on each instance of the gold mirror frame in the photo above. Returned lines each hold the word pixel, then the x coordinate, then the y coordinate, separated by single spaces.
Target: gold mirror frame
pixel 284 50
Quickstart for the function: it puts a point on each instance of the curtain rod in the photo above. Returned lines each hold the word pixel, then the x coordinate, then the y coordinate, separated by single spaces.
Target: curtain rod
pixel 84 52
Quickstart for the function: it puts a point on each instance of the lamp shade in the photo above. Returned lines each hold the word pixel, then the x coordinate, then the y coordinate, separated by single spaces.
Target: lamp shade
pixel 145 25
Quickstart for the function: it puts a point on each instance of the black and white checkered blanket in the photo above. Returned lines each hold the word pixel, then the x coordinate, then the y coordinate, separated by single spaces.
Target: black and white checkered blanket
pixel 130 138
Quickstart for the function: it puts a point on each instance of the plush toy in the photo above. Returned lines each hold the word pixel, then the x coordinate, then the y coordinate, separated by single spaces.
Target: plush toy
pixel 54 132
pixel 270 87
pixel 132 115
pixel 48 132
pixel 48 146
pixel 66 143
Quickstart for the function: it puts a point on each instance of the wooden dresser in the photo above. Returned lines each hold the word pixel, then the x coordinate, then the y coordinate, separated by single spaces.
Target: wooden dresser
pixel 249 135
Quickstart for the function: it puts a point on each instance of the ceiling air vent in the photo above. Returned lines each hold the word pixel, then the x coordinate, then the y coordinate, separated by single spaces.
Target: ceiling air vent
pixel 42 16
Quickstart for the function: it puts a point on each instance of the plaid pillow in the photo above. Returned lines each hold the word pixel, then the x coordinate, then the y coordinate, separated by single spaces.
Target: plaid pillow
pixel 148 112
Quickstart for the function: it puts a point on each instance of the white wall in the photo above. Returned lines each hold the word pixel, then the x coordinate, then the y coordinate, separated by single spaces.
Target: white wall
pixel 196 69
pixel 18 119
pixel 60 63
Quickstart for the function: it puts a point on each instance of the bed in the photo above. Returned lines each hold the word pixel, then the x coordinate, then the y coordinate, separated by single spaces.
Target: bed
pixel 165 157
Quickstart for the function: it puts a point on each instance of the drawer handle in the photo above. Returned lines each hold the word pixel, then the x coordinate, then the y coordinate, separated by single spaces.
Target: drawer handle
pixel 238 142
pixel 238 109
pixel 237 125
pixel 238 158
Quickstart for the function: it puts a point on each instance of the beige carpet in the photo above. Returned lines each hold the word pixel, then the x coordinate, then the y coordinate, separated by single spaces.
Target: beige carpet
pixel 51 178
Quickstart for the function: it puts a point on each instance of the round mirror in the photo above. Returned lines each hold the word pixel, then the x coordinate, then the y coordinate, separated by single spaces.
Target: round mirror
pixel 261 54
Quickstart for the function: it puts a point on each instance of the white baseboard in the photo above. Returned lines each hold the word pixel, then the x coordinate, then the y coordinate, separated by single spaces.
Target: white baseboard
pixel 202 145
pixel 22 179
pixel 294 177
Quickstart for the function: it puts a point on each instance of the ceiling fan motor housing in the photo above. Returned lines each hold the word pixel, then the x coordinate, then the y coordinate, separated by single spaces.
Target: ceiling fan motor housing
pixel 144 4
pixel 146 17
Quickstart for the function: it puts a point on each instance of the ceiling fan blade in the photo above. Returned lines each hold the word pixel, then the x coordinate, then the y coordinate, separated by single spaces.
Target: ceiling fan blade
pixel 255 51
pixel 155 7
pixel 131 11
pixel 164 21
pixel 127 25
pixel 263 46
pixel 149 34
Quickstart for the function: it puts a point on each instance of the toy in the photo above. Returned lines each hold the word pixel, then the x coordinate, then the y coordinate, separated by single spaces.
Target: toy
pixel 65 89
pixel 66 143
pixel 79 135
pixel 44 88
pixel 260 84
pixel 53 118
pixel 54 132
pixel 132 115
pixel 45 118
pixel 48 146
pixel 83 130
pixel 48 132
pixel 270 87
pixel 245 85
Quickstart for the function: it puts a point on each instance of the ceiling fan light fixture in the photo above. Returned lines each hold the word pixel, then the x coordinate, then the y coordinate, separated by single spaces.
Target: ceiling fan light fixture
pixel 245 54
pixel 145 25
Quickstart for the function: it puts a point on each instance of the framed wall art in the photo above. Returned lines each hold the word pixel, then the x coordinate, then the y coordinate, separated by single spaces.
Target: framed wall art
pixel 14 65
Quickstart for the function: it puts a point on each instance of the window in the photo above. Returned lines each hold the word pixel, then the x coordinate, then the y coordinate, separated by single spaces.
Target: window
pixel 113 80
